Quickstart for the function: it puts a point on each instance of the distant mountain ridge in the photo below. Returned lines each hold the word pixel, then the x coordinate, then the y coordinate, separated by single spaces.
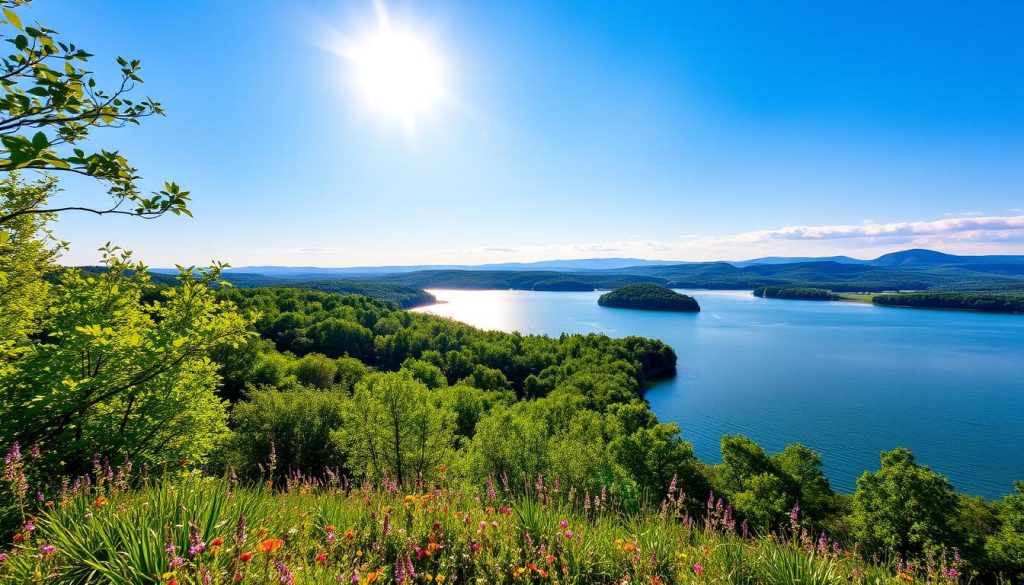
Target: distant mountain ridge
pixel 906 270
pixel 903 258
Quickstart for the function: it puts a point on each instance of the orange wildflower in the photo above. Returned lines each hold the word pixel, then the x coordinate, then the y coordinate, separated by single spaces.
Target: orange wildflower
pixel 271 544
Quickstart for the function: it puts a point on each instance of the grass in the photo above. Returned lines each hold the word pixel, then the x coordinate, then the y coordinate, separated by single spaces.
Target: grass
pixel 856 297
pixel 191 529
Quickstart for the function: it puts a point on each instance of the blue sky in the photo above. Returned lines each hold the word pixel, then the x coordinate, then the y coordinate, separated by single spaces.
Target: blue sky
pixel 674 130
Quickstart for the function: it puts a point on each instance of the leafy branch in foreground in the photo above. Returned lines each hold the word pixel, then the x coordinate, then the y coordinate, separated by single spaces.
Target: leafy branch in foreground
pixel 49 103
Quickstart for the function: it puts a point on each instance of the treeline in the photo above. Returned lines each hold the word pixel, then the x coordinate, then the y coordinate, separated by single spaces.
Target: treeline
pixel 975 301
pixel 805 294
pixel 562 285
pixel 405 296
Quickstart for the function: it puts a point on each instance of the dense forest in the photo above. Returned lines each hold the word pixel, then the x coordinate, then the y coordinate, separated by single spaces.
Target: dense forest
pixel 805 294
pixel 991 302
pixel 648 297
pixel 188 431
pixel 562 285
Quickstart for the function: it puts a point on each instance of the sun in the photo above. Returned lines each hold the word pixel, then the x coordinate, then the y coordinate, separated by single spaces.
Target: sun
pixel 397 71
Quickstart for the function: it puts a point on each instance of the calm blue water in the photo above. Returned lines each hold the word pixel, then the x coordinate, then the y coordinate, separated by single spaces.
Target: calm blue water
pixel 849 380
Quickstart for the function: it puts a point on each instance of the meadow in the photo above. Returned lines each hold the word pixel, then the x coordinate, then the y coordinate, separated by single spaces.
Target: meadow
pixel 186 528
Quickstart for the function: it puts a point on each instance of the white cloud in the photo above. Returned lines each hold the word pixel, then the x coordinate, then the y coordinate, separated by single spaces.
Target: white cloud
pixel 869 239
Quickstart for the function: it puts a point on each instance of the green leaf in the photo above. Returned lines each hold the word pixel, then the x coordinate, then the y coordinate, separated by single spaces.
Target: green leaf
pixel 12 18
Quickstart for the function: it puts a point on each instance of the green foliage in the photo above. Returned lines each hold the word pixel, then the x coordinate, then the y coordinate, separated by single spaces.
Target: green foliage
pixel 396 429
pixel 406 297
pixel 50 105
pixel 650 297
pixel 28 252
pixel 296 424
pixel 115 376
pixel 1006 547
pixel 903 509
pixel 316 370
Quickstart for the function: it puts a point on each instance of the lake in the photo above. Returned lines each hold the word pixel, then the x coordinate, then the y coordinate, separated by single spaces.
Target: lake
pixel 846 379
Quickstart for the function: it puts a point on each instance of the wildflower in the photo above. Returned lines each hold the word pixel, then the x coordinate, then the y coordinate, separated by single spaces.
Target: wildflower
pixel 285 575
pixel 321 558
pixel 629 547
pixel 483 525
pixel 952 573
pixel 19 537
pixel 491 494
pixel 99 502
pixel 372 576
pixel 569 534
pixel 238 576
pixel 271 545
pixel 475 546
pixel 550 559
pixel 563 524
pixel 698 568
pixel 794 514
pixel 504 511
pixel 48 550
pixel 240 530
pixel 656 580
pixel 350 534
pixel 176 562
pixel 217 541
pixel 442 468
pixel 245 557
pixel 3 557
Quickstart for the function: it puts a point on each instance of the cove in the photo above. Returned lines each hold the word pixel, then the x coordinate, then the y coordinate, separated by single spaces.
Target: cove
pixel 848 380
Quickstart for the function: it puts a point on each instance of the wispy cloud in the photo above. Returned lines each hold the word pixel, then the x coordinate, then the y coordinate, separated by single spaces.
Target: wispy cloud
pixel 960 234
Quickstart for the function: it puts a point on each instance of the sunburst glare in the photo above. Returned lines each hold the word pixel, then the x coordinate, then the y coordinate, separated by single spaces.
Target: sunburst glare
pixel 396 70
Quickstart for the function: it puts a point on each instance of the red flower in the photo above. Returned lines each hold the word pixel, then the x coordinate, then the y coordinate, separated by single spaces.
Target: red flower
pixel 245 557
pixel 321 558
pixel 217 541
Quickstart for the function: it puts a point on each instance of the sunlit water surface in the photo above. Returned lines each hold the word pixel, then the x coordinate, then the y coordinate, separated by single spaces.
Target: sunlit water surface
pixel 847 379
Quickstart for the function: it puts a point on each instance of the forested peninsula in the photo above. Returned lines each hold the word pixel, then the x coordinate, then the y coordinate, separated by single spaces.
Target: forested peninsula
pixel 804 294
pixel 989 302
pixel 648 297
